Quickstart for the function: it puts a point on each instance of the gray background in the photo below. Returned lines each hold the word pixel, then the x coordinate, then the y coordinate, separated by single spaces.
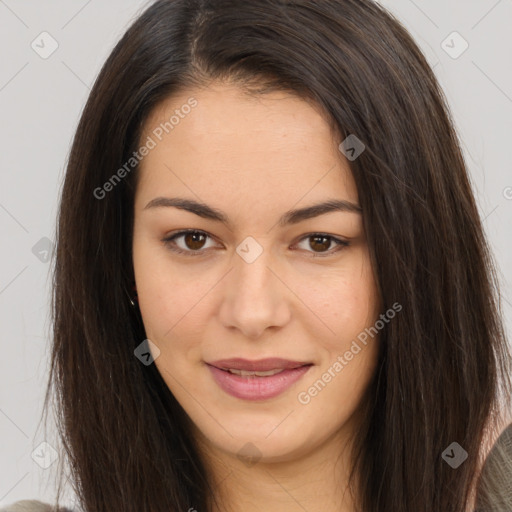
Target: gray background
pixel 40 103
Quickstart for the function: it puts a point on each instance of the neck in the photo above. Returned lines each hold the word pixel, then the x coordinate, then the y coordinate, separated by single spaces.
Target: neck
pixel 316 480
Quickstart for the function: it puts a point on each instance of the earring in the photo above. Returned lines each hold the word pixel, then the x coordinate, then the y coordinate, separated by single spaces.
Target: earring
pixel 133 298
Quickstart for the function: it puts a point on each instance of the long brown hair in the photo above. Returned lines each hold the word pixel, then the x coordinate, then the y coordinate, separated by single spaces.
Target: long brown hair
pixel 443 362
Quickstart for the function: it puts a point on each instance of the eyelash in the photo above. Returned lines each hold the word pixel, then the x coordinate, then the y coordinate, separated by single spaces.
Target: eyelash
pixel 169 241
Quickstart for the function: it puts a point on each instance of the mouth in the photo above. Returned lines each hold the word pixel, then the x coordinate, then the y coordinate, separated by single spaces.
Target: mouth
pixel 262 366
pixel 257 380
pixel 249 373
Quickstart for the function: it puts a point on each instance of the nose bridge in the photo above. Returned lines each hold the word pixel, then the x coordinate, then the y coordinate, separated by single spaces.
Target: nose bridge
pixel 253 278
pixel 255 298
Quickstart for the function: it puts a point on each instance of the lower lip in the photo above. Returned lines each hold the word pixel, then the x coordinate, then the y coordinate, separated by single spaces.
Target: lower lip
pixel 257 388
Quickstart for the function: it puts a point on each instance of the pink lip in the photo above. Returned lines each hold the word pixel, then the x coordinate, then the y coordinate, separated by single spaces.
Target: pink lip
pixel 254 387
pixel 261 365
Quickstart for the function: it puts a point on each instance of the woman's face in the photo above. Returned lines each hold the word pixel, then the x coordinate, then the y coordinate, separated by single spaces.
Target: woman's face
pixel 255 281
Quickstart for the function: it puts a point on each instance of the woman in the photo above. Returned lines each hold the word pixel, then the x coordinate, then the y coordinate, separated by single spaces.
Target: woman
pixel 272 287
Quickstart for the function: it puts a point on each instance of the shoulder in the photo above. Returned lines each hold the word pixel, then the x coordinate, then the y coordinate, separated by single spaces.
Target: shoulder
pixel 495 486
pixel 31 506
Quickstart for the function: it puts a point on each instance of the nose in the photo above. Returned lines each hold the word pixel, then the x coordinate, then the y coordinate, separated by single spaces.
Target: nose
pixel 255 297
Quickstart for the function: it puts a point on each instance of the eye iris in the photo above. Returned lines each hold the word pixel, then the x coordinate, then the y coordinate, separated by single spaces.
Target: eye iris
pixel 323 244
pixel 191 240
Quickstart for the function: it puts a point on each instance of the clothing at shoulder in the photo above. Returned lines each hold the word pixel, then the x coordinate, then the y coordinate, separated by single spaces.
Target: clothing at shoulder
pixel 32 506
pixel 495 487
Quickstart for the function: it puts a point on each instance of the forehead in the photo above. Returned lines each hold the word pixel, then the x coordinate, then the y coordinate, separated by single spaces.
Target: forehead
pixel 276 146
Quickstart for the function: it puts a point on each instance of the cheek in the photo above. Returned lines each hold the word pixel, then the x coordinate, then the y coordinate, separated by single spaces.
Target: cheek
pixel 170 314
pixel 165 294
pixel 168 305
pixel 344 301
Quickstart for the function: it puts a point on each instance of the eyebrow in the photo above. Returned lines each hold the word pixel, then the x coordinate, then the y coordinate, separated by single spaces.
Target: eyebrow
pixel 290 217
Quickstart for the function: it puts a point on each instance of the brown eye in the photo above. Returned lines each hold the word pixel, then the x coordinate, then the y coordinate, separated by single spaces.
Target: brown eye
pixel 192 242
pixel 321 244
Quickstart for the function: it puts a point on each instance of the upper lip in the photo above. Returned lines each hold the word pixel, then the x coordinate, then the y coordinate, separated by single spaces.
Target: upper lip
pixel 261 365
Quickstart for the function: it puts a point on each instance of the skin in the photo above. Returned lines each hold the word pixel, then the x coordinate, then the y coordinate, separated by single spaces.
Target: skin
pixel 255 158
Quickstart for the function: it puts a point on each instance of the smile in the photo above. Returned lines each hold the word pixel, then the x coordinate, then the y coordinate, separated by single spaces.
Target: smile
pixel 262 383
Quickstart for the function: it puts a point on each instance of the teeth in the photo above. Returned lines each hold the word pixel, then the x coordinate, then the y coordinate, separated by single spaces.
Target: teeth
pixel 247 373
